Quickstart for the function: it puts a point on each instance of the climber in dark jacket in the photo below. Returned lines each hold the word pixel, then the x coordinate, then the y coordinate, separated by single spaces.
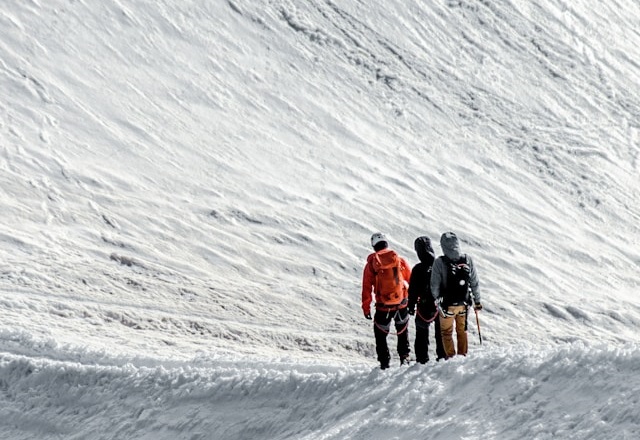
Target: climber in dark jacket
pixel 422 303
pixel 454 286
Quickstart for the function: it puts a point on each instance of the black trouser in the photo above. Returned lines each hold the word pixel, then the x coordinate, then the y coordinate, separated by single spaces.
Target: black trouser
pixel 381 328
pixel 422 338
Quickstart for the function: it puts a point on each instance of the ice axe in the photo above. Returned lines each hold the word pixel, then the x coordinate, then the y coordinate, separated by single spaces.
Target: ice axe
pixel 478 324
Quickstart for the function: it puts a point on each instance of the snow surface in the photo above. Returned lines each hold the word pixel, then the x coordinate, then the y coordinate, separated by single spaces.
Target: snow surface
pixel 188 189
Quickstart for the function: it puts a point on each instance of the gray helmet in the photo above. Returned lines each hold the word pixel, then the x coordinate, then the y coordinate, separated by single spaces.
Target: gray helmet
pixel 450 245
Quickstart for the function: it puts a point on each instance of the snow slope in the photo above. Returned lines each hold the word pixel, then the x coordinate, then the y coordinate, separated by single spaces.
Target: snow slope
pixel 188 190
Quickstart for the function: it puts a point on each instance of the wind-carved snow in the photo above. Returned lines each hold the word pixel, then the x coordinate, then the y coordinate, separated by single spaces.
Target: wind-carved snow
pixel 500 394
pixel 188 192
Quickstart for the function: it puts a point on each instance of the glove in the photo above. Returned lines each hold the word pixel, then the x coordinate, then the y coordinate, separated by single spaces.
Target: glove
pixel 477 306
pixel 412 311
pixel 367 315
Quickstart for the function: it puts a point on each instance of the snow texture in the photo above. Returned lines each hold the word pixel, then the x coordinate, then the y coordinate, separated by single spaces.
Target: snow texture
pixel 188 189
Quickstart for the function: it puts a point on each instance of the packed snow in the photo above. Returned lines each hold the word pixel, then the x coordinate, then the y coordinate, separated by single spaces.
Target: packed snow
pixel 188 190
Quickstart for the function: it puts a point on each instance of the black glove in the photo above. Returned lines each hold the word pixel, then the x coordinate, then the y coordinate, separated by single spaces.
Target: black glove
pixel 477 306
pixel 367 315
pixel 412 311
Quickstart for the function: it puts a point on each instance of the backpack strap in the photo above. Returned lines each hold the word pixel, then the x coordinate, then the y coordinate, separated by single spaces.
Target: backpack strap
pixel 461 260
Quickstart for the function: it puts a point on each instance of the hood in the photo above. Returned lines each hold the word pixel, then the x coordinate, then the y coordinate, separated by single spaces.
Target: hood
pixel 424 250
pixel 450 245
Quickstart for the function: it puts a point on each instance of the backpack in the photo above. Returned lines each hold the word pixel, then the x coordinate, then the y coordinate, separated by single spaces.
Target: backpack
pixel 457 290
pixel 390 284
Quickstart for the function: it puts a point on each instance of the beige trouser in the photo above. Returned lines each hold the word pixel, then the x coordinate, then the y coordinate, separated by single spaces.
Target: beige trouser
pixel 457 314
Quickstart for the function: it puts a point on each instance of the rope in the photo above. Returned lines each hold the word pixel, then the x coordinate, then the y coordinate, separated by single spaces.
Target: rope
pixel 388 332
pixel 382 329
pixel 435 315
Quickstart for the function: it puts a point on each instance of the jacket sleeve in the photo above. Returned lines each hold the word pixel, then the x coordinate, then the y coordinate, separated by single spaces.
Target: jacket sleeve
pixel 368 279
pixel 414 291
pixel 406 270
pixel 436 278
pixel 474 282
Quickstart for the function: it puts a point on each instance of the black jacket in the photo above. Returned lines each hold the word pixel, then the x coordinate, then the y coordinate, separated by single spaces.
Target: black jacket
pixel 420 282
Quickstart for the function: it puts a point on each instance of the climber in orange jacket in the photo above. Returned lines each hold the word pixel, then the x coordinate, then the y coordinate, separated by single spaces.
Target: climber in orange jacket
pixel 387 275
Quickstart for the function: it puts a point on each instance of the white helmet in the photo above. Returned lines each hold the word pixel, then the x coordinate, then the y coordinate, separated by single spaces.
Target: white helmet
pixel 377 238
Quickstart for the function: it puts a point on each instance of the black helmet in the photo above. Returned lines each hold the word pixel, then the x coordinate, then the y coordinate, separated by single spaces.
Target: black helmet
pixel 423 248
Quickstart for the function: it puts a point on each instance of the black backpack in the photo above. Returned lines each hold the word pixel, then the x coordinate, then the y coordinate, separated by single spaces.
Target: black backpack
pixel 457 290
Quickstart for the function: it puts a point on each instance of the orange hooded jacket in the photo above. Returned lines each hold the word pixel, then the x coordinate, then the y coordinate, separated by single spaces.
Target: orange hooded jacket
pixel 369 282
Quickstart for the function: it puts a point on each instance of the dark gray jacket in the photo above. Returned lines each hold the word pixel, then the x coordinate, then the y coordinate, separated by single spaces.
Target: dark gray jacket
pixel 451 248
